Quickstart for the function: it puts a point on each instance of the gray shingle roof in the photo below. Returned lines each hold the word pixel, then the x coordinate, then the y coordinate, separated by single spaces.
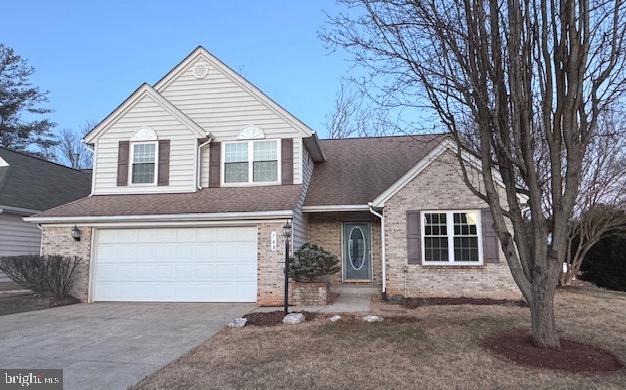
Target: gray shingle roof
pixel 208 200
pixel 357 170
pixel 32 183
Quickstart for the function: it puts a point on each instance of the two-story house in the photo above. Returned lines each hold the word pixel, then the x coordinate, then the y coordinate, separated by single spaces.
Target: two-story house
pixel 195 176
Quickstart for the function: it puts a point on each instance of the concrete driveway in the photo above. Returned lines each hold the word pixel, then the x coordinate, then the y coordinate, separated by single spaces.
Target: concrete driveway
pixel 109 345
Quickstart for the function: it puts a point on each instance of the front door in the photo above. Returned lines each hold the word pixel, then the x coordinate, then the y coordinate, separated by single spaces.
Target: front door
pixel 357 251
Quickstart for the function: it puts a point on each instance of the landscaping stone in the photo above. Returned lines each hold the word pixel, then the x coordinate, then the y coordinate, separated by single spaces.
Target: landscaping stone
pixel 237 323
pixel 293 318
pixel 335 318
pixel 373 318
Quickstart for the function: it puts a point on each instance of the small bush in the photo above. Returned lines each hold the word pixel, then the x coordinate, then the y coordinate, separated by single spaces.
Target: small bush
pixel 44 275
pixel 311 262
pixel 605 264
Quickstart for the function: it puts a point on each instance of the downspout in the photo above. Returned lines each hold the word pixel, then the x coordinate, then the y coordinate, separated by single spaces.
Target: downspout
pixel 382 244
pixel 199 164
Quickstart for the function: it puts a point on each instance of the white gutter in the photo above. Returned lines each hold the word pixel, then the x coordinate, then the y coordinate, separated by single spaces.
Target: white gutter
pixel 340 207
pixel 11 209
pixel 199 163
pixel 382 244
pixel 169 217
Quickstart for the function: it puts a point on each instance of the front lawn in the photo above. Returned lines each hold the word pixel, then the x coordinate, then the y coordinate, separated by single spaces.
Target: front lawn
pixel 439 348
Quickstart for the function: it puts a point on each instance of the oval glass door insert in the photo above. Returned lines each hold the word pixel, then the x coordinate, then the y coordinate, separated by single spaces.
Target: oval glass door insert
pixel 356 247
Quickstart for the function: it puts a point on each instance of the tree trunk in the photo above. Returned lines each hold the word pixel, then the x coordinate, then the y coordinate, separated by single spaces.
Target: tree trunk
pixel 566 277
pixel 542 317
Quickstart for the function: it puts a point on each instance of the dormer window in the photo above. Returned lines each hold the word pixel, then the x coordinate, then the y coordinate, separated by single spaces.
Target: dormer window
pixel 143 158
pixel 251 162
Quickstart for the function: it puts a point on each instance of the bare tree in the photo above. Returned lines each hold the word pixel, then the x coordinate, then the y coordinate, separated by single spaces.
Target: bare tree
pixel 600 209
pixel 354 113
pixel 71 151
pixel 520 85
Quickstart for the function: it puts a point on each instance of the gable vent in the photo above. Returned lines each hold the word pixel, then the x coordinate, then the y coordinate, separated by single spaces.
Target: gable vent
pixel 200 71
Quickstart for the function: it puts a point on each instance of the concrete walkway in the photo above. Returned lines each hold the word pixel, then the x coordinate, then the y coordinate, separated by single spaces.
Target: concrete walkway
pixel 109 345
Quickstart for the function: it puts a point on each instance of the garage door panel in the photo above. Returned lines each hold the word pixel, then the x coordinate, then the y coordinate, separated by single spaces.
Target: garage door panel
pixel 176 264
pixel 239 273
pixel 179 292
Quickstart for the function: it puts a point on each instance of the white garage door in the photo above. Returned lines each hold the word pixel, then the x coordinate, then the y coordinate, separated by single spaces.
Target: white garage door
pixel 176 265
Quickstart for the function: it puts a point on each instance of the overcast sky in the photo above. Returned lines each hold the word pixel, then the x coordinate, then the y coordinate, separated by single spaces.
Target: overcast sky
pixel 92 55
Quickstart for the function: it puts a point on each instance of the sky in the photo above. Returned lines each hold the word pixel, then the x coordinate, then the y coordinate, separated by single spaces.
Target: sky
pixel 91 55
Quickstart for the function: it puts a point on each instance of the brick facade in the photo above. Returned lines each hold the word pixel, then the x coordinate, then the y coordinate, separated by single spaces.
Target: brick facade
pixel 271 279
pixel 308 294
pixel 438 187
pixel 58 241
pixel 325 230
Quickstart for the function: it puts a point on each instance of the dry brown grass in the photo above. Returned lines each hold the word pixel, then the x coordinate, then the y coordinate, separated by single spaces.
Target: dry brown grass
pixel 439 350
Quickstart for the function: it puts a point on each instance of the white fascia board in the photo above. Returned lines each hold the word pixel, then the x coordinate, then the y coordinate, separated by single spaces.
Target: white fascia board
pixel 239 80
pixel 330 208
pixel 443 146
pixel 17 210
pixel 160 224
pixel 144 89
pixel 168 217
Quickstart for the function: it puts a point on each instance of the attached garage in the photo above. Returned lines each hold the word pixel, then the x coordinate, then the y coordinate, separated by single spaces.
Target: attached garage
pixel 200 264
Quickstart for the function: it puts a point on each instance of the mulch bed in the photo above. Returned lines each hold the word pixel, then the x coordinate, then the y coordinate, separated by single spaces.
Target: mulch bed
pixel 517 346
pixel 273 318
pixel 412 303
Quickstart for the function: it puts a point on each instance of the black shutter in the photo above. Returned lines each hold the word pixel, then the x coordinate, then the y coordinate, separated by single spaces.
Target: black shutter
pixel 286 150
pixel 490 238
pixel 122 163
pixel 215 154
pixel 413 237
pixel 164 162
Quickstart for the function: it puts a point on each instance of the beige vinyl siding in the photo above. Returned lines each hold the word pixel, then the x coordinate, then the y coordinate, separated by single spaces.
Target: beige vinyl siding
pixel 298 161
pixel 17 238
pixel 147 113
pixel 300 220
pixel 204 167
pixel 223 108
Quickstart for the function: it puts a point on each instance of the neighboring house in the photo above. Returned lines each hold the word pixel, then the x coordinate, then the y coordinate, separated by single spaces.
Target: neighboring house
pixel 195 176
pixel 29 185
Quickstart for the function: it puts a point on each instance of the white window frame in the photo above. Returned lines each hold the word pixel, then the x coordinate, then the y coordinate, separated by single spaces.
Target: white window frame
pixel 131 159
pixel 250 181
pixel 450 231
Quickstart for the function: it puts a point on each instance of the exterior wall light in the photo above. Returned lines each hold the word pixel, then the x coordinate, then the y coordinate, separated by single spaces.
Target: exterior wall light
pixel 76 233
pixel 287 230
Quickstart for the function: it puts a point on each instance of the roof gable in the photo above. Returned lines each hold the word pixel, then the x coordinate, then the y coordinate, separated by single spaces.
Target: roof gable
pixel 444 145
pixel 357 170
pixel 144 90
pixel 201 55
